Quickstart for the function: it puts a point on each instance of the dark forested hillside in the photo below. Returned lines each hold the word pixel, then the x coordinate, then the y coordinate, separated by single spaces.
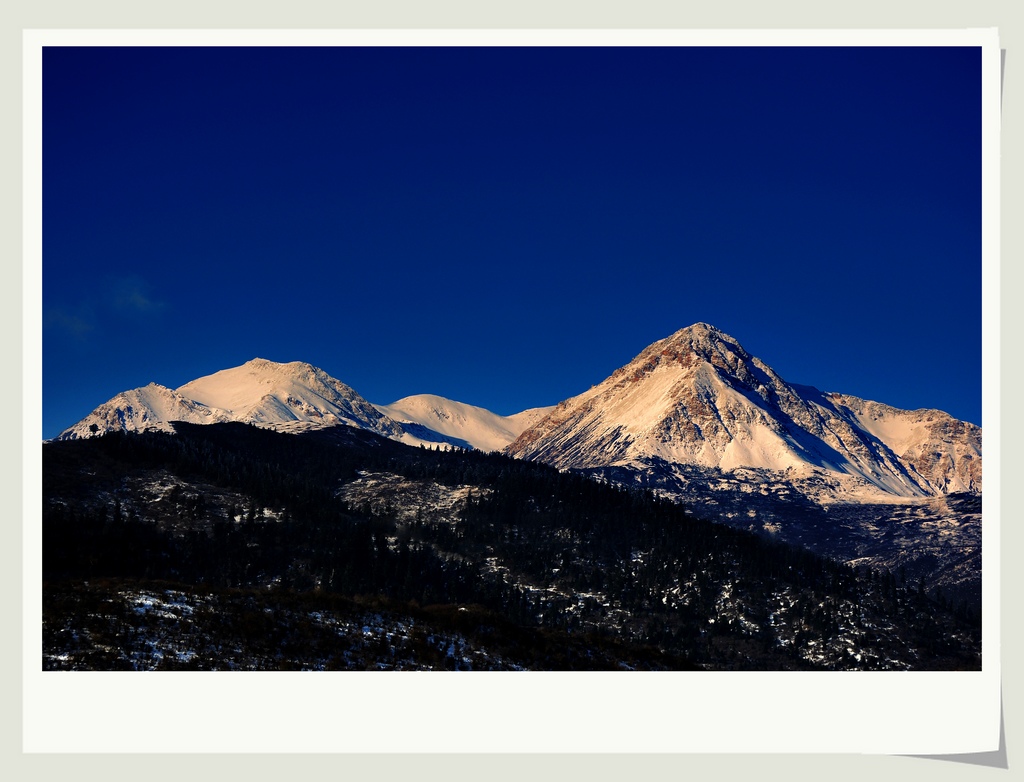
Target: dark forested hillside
pixel 229 546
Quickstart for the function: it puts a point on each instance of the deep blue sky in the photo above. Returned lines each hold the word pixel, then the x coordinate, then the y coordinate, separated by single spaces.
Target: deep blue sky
pixel 506 227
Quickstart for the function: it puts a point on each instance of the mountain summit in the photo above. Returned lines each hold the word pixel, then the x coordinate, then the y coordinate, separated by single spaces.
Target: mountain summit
pixel 264 392
pixel 698 398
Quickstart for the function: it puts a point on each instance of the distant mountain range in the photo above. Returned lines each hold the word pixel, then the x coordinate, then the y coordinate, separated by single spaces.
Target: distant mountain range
pixel 695 399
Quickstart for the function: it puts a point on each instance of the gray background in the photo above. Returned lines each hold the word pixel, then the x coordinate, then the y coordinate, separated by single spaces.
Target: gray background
pixel 303 14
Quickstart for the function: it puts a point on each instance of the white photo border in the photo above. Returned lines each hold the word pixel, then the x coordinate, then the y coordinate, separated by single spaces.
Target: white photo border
pixel 706 712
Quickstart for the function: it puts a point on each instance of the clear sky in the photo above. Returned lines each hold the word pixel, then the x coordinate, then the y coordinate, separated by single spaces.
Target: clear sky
pixel 506 227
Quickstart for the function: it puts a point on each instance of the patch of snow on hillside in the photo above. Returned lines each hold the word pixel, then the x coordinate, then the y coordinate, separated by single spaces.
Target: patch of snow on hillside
pixel 458 424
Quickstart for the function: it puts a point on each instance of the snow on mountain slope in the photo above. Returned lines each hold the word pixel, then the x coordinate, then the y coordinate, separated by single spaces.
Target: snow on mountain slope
pixel 943 451
pixel 697 397
pixel 140 409
pixel 289 396
pixel 458 423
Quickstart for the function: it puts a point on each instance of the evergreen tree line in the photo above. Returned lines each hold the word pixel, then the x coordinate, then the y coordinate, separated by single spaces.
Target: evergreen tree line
pixel 534 545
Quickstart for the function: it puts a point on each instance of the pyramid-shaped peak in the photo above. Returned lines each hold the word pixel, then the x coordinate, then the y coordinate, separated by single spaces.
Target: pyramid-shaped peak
pixel 698 348
pixel 700 332
pixel 701 339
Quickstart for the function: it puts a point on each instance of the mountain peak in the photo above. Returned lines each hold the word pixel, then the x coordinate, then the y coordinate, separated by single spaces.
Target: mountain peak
pixel 697 397
pixel 295 395
pixel 701 338
pixel 694 348
pixel 700 327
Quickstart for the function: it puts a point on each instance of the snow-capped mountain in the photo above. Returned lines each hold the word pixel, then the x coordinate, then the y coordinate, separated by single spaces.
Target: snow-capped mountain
pixel 265 392
pixel 459 424
pixel 297 396
pixel 294 396
pixel 698 398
